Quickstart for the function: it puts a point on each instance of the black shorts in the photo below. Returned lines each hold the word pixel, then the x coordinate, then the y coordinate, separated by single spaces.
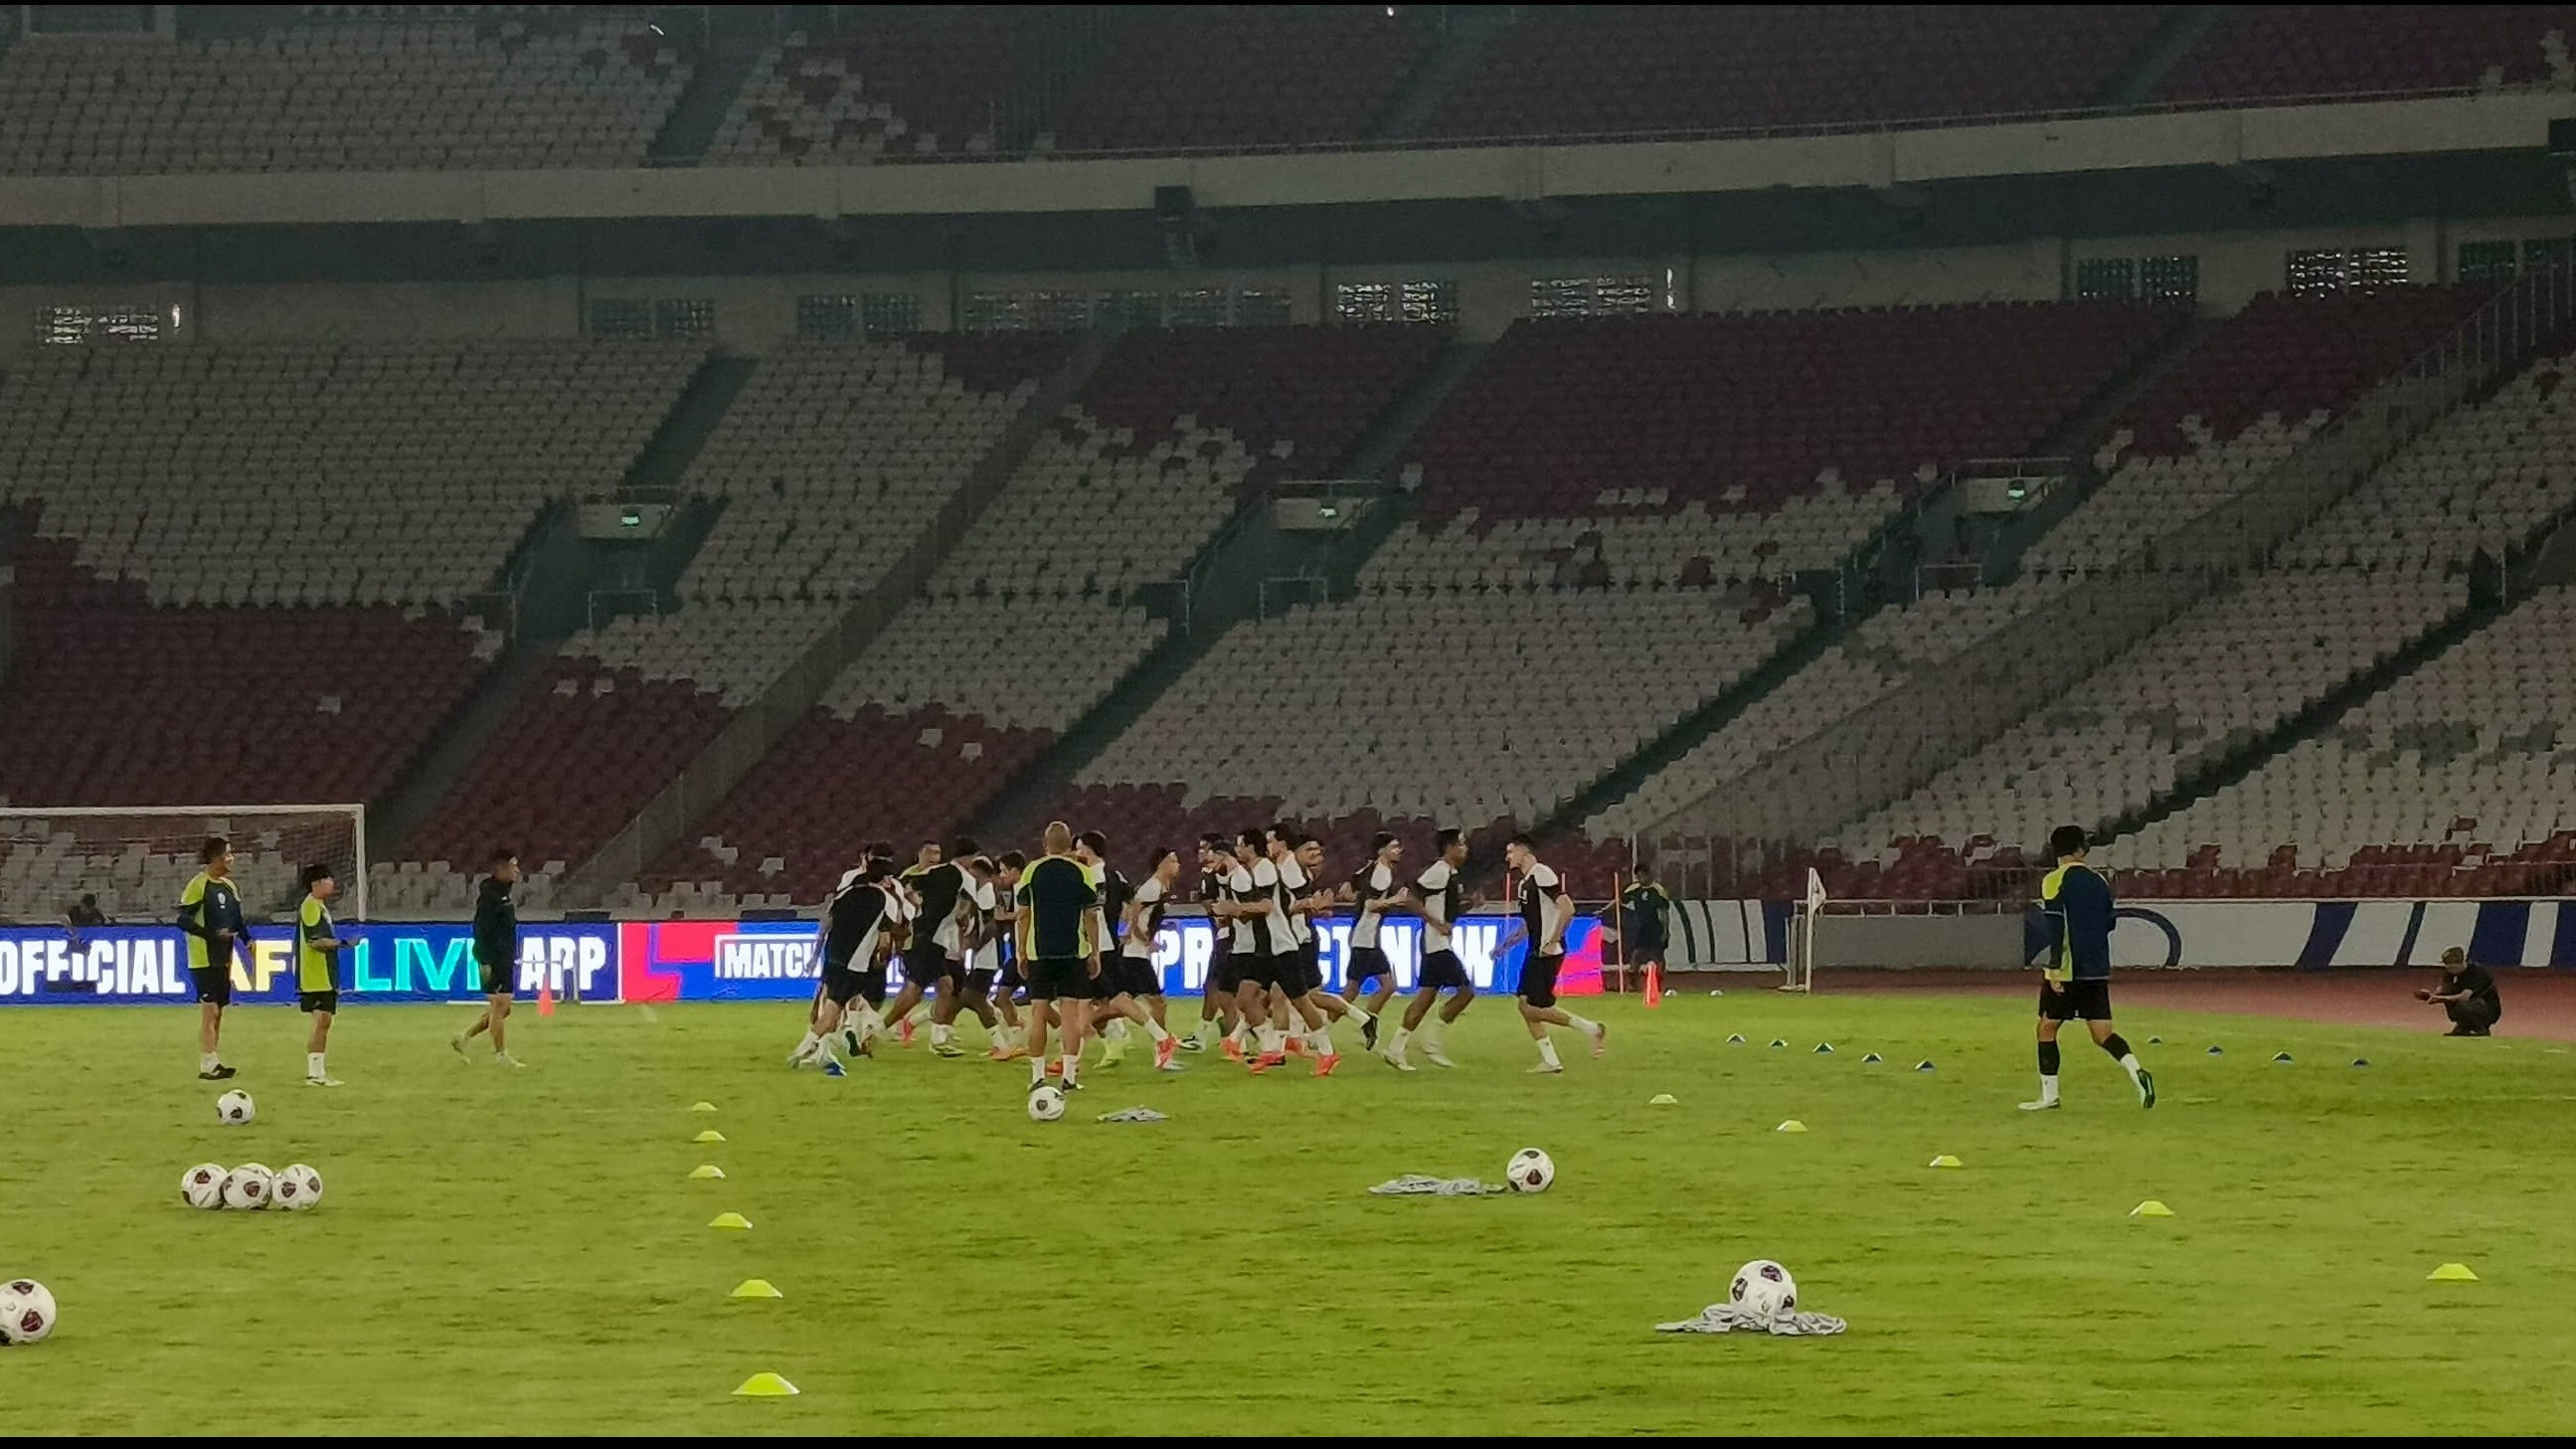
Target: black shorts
pixel 2089 1000
pixel 1256 968
pixel 497 980
pixel 213 983
pixel 1010 981
pixel 1223 974
pixel 1538 978
pixel 926 965
pixel 1305 970
pixel 1366 964
pixel 1443 971
pixel 1059 978
pixel 1135 975
pixel 317 1000
pixel 979 982
pixel 840 984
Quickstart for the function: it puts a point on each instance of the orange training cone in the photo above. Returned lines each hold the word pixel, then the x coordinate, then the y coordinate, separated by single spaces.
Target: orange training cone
pixel 546 993
pixel 1654 984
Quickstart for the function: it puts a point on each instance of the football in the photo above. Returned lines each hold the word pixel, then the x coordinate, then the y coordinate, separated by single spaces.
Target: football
pixel 1765 1289
pixel 234 1108
pixel 298 1187
pixel 1530 1170
pixel 26 1311
pixel 247 1187
pixel 1046 1104
pixel 203 1185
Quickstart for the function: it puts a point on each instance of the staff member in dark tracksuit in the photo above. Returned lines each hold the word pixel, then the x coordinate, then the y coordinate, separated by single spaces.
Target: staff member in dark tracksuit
pixel 2073 932
pixel 2468 993
pixel 496 956
pixel 1643 926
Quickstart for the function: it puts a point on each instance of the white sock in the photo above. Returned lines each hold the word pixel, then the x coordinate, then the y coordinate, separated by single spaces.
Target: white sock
pixel 919 1015
pixel 1273 1041
pixel 313 1065
pixel 1402 1038
pixel 940 1032
pixel 1547 1052
pixel 1155 1029
pixel 2048 1089
pixel 1037 1071
pixel 1238 1033
pixel 1581 1025
pixel 812 1040
pixel 1431 1028
pixel 1361 1015
pixel 1072 1063
pixel 2129 1064
pixel 1117 1029
pixel 206 1062
pixel 823 1053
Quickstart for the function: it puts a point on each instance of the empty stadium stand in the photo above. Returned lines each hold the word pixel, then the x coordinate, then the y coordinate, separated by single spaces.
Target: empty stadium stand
pixel 2286 52
pixel 1240 77
pixel 915 81
pixel 363 95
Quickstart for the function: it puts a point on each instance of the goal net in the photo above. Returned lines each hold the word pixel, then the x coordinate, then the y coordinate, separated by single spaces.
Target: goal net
pixel 135 861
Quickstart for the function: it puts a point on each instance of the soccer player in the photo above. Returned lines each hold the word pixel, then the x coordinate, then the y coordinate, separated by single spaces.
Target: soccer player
pixel 931 960
pixel 317 979
pixel 1218 1014
pixel 1438 887
pixel 1545 909
pixel 1125 987
pixel 1323 1007
pixel 1007 869
pixel 2075 982
pixel 496 954
pixel 856 920
pixel 1644 923
pixel 1376 888
pixel 1138 985
pixel 1262 908
pixel 1060 935
pixel 981 942
pixel 1301 978
pixel 210 914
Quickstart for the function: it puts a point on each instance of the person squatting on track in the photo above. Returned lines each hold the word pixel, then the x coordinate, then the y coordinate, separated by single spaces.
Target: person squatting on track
pixel 2467 994
pixel 2070 938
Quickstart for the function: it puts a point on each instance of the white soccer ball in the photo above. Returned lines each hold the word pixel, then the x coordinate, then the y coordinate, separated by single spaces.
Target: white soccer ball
pixel 27 1311
pixel 1530 1170
pixel 298 1187
pixel 1764 1289
pixel 248 1186
pixel 1046 1104
pixel 203 1186
pixel 234 1108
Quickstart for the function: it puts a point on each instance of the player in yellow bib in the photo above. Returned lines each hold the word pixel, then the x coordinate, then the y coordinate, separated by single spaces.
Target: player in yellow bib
pixel 317 979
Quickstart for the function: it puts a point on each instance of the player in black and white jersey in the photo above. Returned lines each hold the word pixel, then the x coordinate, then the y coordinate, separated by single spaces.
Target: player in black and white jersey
pixel 1012 1043
pixel 1441 890
pixel 978 961
pixel 938 886
pixel 1325 895
pixel 1293 1007
pixel 1260 940
pixel 1375 889
pixel 1219 1015
pixel 1136 990
pixel 857 920
pixel 1545 910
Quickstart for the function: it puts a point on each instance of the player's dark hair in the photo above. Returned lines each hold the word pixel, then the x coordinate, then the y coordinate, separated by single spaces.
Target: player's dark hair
pixel 1523 842
pixel 1283 830
pixel 499 858
pixel 1093 841
pixel 212 849
pixel 1644 870
pixel 1012 860
pixel 1449 837
pixel 1154 862
pixel 1213 841
pixel 317 871
pixel 1380 841
pixel 962 847
pixel 1256 837
pixel 2067 840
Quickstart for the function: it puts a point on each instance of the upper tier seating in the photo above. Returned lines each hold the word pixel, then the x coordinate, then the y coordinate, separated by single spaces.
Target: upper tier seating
pixel 2291 51
pixel 904 80
pixel 1743 411
pixel 364 96
pixel 322 473
pixel 2456 780
pixel 2217 424
pixel 1598 70
pixel 1240 76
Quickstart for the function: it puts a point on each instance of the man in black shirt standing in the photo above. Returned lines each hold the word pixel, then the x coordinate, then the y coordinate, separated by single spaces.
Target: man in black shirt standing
pixel 2468 994
pixel 496 956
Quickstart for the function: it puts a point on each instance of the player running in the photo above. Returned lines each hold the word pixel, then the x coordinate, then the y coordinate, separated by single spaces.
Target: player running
pixel 1139 983
pixel 981 941
pixel 1643 923
pixel 1438 887
pixel 1060 935
pixel 1301 977
pixel 317 979
pixel 2074 927
pixel 932 959
pixel 1545 910
pixel 856 922
pixel 1323 1005
pixel 1013 1042
pixel 496 955
pixel 1261 906
pixel 1219 1015
pixel 210 915
pixel 1376 889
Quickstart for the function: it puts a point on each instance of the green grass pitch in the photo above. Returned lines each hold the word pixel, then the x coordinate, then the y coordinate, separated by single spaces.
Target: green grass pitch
pixel 522 1252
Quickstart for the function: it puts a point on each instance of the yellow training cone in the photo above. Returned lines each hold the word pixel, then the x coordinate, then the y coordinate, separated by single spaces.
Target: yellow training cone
pixel 731 1222
pixel 2451 1273
pixel 705 1170
pixel 1792 1125
pixel 756 1288
pixel 2151 1209
pixel 702 1106
pixel 766 1386
pixel 1945 1160
pixel 1663 1099
pixel 709 1135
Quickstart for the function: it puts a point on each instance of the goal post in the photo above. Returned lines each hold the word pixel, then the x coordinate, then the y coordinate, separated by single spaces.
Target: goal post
pixel 136 859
